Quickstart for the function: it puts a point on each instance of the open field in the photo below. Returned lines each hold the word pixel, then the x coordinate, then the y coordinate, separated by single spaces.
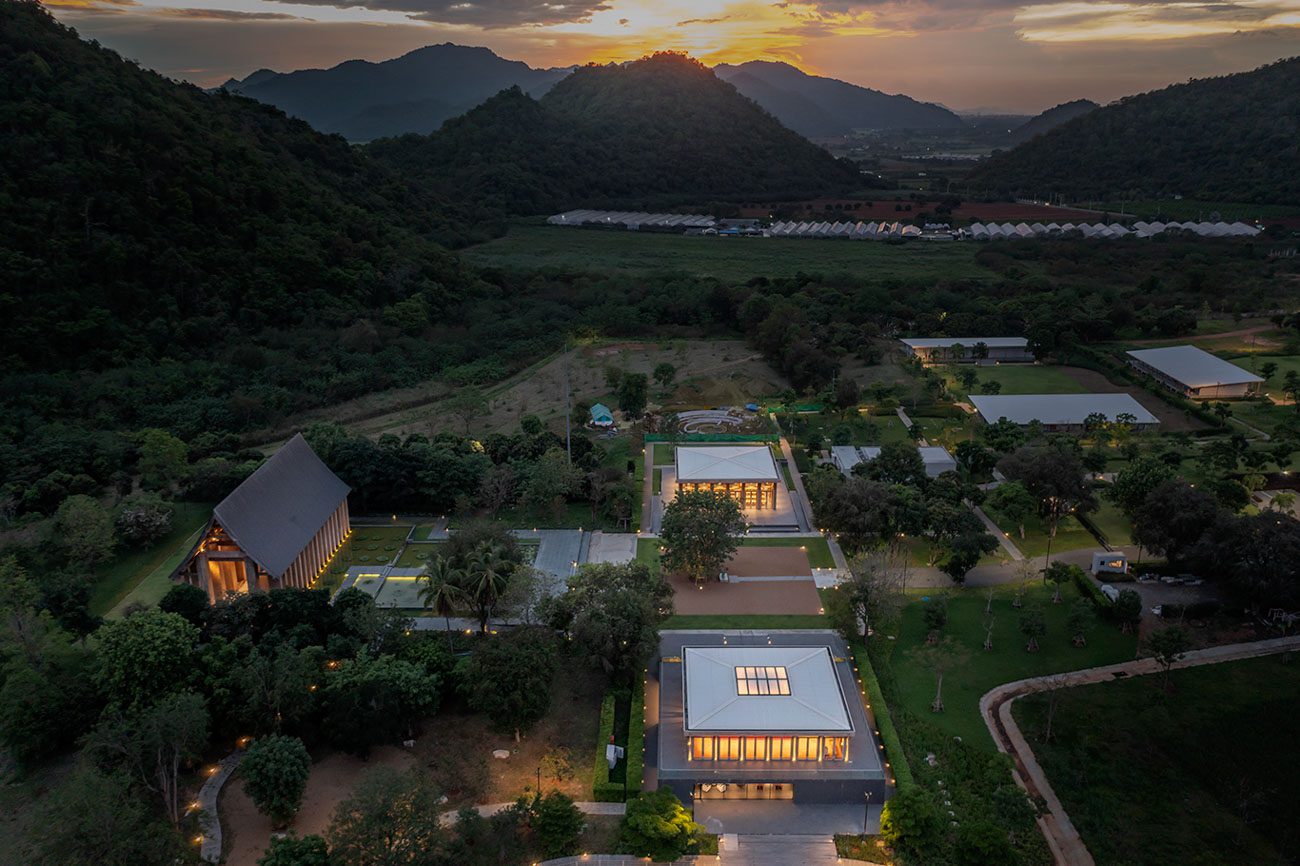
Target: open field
pixel 142 575
pixel 1070 534
pixel 738 259
pixel 1008 661
pixel 1206 773
pixel 1020 379
pixel 709 372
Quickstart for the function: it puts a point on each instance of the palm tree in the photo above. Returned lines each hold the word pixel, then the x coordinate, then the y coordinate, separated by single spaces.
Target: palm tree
pixel 486 576
pixel 442 592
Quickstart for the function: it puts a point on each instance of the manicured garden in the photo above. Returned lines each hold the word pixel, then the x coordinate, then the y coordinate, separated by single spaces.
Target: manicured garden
pixel 1007 661
pixel 367 545
pixel 1204 773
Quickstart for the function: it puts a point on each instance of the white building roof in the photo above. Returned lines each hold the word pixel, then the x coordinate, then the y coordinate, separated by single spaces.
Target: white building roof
pixel 714 703
pixel 1058 409
pixel 726 463
pixel 1195 368
pixel 968 342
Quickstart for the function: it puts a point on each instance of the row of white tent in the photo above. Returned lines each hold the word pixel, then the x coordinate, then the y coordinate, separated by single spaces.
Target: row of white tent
pixel 993 231
pixel 630 219
pixel 843 230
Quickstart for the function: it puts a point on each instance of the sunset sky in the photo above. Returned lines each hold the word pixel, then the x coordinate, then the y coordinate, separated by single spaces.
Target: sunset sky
pixel 967 54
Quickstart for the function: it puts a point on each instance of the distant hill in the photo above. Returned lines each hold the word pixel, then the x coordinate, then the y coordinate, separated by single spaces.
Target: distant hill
pixel 1052 118
pixel 826 107
pixel 416 92
pixel 660 131
pixel 1233 138
pixel 142 219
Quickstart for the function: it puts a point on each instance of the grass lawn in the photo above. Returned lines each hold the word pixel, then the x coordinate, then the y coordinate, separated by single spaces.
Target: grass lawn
pixel 665 453
pixel 1008 661
pixel 1070 534
pixel 946 431
pixel 1020 379
pixel 864 429
pixel 416 555
pixel 734 259
pixel 142 575
pixel 819 552
pixel 658 481
pixel 1112 523
pixel 785 473
pixel 368 545
pixel 1205 774
pixel 573 515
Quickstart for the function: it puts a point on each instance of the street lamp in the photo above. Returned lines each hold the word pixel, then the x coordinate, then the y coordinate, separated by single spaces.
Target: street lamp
pixel 866 815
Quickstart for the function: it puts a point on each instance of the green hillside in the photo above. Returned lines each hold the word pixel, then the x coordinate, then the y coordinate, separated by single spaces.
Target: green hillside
pixel 1234 138
pixel 657 132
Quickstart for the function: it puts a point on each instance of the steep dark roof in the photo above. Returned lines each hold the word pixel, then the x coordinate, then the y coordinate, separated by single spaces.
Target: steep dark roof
pixel 281 506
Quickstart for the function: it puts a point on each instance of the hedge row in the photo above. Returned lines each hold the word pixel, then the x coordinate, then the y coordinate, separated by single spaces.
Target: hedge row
pixel 1091 590
pixel 884 722
pixel 602 789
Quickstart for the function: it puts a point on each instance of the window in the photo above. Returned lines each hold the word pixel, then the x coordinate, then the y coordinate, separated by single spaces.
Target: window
pixel 755 748
pixel 835 747
pixel 807 748
pixel 728 748
pixel 762 680
pixel 702 748
pixel 782 748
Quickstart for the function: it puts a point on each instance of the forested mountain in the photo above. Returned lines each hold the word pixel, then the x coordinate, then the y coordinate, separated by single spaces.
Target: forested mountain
pixel 825 107
pixel 416 92
pixel 660 131
pixel 1233 138
pixel 1052 118
pixel 177 259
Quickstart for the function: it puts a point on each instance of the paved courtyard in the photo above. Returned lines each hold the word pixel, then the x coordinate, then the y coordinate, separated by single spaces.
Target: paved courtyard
pixel 615 547
pixel 558 552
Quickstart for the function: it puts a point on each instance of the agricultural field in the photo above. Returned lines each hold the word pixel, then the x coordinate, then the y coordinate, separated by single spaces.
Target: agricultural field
pixel 732 259
pixel 1007 661
pixel 1204 773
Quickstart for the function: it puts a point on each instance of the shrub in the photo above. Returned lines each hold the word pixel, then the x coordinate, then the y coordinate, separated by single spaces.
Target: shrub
pixel 910 818
pixel 294 851
pixel 187 600
pixel 558 824
pixel 657 826
pixel 275 771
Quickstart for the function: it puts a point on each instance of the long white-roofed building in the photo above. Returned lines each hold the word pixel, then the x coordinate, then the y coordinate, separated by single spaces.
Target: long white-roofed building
pixel 1062 412
pixel 1196 373
pixel 746 473
pixel 944 350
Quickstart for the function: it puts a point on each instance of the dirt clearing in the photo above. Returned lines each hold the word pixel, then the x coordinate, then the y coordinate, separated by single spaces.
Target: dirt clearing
pixel 1172 419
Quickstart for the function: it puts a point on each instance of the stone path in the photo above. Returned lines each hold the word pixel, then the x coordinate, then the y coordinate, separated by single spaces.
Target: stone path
pixel 209 795
pixel 1007 545
pixel 1062 837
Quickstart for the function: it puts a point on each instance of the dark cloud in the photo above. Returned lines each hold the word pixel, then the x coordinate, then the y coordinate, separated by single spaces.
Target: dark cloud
pixel 224 15
pixel 489 14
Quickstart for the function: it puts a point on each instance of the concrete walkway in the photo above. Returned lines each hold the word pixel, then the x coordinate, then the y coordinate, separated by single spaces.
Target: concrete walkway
pixel 1003 539
pixel 802 508
pixel 649 520
pixel 209 796
pixel 487 810
pixel 902 416
pixel 1062 838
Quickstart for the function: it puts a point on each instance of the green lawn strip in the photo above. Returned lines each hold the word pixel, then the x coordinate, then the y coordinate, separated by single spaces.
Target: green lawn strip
pixel 1205 773
pixel 1008 661
pixel 418 554
pixel 529 247
pixel 1070 534
pixel 602 790
pixel 785 472
pixel 732 621
pixel 819 552
pixel 665 453
pixel 658 481
pixel 1019 379
pixel 1112 523
pixel 888 734
pixel 117 582
pixel 573 515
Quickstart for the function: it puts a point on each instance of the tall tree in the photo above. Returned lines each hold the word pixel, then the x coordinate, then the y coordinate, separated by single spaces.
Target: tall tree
pixel 275 771
pixel 390 819
pixel 1014 502
pixel 699 533
pixel 442 590
pixel 509 678
pixel 145 657
pixel 83 531
pixel 632 394
pixel 1168 646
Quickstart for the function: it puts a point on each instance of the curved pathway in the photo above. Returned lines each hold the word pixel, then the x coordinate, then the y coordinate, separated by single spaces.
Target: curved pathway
pixel 1062 837
pixel 209 795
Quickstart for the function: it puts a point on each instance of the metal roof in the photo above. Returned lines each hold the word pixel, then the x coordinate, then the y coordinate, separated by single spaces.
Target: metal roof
pixel 1195 368
pixel 1058 409
pixel 280 507
pixel 726 463
pixel 968 342
pixel 815 703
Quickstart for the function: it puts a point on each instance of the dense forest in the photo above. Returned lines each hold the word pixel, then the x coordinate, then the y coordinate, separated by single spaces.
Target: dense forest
pixel 1233 138
pixel 654 133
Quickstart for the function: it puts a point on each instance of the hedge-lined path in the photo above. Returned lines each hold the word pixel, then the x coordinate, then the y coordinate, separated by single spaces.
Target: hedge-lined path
pixel 1062 837
pixel 489 809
